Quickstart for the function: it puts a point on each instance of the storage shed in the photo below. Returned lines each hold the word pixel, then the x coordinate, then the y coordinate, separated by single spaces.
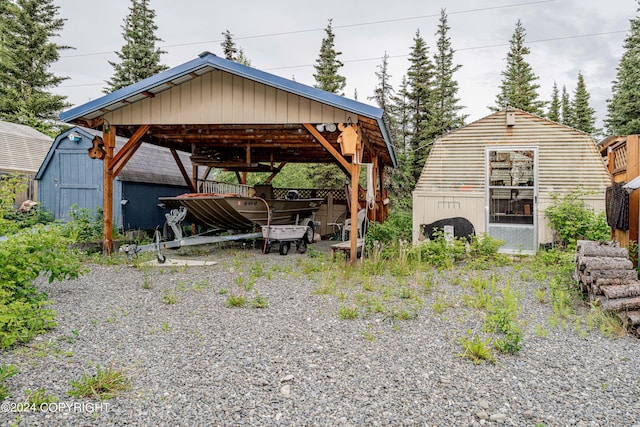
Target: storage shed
pixel 621 154
pixel 68 176
pixel 22 150
pixel 500 173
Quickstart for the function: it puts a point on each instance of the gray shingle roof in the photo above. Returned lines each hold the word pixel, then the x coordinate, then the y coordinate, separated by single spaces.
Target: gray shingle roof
pixel 150 163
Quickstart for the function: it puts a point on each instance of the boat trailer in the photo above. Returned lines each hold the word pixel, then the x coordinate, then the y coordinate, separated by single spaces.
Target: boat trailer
pixel 174 218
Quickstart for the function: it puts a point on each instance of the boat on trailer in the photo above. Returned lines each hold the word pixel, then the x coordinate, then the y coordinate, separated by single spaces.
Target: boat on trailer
pixel 238 212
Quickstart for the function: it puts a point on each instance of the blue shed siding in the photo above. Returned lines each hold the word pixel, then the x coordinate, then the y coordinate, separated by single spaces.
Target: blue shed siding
pixel 71 177
pixel 68 177
pixel 142 210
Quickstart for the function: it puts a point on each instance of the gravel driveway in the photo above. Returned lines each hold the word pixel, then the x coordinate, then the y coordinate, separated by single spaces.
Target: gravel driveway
pixel 193 361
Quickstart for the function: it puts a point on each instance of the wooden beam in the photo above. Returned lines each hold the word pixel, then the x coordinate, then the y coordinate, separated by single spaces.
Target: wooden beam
pixel 90 123
pixel 342 162
pixel 123 156
pixel 109 137
pixel 183 171
pixel 275 172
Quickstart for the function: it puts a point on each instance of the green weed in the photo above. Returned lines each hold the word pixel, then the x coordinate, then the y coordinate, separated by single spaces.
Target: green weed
pixel 6 371
pixel 348 313
pixel 169 297
pixel 236 301
pixel 477 349
pixel 259 301
pixel 103 385
pixel 39 397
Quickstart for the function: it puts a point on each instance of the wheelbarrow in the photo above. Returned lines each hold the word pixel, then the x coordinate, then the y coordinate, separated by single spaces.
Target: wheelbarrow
pixel 285 236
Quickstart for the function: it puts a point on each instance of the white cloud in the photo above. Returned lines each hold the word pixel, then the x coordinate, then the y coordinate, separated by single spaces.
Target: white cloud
pixel 192 26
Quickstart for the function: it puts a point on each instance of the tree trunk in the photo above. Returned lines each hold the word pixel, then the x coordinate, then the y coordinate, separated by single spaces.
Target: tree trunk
pixel 630 318
pixel 621 291
pixel 615 281
pixel 604 263
pixel 621 304
pixel 603 251
pixel 593 276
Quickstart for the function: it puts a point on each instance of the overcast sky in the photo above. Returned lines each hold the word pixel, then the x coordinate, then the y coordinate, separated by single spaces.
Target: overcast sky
pixel 283 37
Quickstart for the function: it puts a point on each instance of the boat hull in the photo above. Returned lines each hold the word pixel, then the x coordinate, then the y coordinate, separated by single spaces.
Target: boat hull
pixel 230 212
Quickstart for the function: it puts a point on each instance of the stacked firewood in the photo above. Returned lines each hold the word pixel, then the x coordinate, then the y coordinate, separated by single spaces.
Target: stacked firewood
pixel 607 276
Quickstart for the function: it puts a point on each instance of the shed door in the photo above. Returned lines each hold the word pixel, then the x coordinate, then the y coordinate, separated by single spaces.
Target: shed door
pixel 512 196
pixel 79 183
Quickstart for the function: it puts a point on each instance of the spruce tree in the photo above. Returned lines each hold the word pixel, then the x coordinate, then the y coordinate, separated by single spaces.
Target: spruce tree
pixel 327 78
pixel 446 109
pixel 583 115
pixel 328 64
pixel 566 109
pixel 231 52
pixel 400 180
pixel 420 77
pixel 554 106
pixel 383 92
pixel 229 46
pixel 623 109
pixel 518 87
pixel 27 28
pixel 139 57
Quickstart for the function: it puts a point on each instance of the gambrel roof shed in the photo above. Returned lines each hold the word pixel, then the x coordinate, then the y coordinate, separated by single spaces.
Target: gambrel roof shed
pixel 22 149
pixel 501 173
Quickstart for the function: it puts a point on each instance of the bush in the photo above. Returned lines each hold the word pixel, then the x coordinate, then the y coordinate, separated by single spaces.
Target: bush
pixel 439 252
pixel 34 216
pixel 23 257
pixel 10 186
pixel 85 226
pixel 573 221
pixel 397 227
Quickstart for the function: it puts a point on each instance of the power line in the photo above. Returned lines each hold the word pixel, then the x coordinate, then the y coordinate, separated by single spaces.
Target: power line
pixel 406 55
pixel 361 24
pixel 465 48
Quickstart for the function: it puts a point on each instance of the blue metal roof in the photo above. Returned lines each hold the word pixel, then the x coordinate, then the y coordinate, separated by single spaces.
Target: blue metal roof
pixel 203 64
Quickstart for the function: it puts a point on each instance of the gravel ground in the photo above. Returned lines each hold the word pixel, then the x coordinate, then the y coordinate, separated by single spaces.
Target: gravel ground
pixel 296 362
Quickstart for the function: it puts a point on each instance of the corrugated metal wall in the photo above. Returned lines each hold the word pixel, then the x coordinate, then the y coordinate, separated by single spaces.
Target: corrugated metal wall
pixel 452 182
pixel 220 97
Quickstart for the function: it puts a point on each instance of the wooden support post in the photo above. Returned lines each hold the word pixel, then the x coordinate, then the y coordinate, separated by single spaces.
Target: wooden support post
pixel 384 206
pixel 374 184
pixel 194 177
pixel 109 137
pixel 353 234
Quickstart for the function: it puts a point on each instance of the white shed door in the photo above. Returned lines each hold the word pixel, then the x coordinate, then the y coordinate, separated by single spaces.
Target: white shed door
pixel 511 197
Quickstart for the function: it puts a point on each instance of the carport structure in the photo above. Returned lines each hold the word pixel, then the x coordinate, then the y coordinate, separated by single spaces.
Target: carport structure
pixel 234 117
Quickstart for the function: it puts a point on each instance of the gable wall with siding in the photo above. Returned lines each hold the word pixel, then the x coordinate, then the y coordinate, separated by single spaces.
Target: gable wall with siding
pixel 222 98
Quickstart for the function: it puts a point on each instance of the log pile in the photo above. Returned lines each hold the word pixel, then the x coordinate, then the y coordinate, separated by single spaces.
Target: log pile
pixel 607 276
